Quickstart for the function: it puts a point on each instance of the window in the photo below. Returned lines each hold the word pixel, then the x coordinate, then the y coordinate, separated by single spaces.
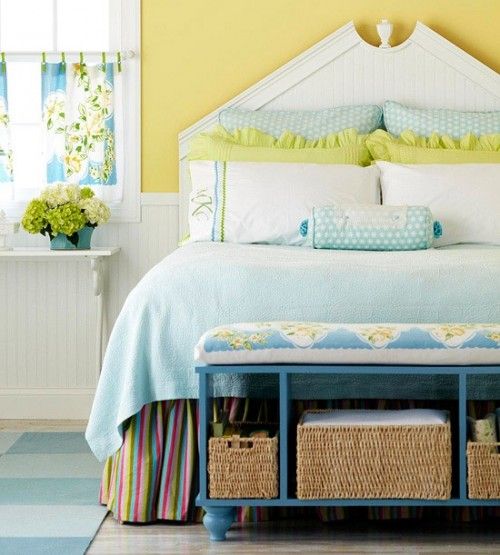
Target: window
pixel 70 26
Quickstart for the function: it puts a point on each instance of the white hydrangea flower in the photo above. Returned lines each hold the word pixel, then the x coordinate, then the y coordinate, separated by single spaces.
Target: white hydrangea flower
pixel 73 192
pixel 60 193
pixel 96 211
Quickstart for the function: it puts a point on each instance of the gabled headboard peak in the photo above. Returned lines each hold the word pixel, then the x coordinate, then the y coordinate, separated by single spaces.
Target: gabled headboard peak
pixel 425 70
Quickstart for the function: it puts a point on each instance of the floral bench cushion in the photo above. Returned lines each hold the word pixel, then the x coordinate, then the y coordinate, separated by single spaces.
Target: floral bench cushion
pixel 323 343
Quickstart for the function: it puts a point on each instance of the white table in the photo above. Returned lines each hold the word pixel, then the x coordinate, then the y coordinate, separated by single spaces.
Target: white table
pixel 97 257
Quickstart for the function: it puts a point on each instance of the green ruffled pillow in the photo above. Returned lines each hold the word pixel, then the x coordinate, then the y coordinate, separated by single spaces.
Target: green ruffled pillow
pixel 410 148
pixel 252 145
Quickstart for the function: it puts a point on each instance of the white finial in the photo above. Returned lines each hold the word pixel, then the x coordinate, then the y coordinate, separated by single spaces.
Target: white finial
pixel 6 228
pixel 384 30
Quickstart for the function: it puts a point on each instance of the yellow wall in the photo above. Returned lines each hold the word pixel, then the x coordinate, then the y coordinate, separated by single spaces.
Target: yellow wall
pixel 197 54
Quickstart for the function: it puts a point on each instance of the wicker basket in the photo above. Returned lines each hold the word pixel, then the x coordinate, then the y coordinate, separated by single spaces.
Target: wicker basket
pixel 243 467
pixel 383 461
pixel 483 470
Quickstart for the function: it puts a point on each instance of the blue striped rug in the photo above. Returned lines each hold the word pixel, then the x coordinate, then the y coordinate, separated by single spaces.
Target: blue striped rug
pixel 49 487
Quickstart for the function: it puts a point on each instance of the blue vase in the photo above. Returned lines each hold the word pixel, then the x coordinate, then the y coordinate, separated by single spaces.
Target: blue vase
pixel 61 242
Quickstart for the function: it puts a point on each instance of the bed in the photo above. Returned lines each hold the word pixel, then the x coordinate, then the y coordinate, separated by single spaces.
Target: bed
pixel 144 417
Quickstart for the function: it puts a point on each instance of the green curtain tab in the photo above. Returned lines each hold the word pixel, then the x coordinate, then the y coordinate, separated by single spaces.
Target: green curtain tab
pixel 104 59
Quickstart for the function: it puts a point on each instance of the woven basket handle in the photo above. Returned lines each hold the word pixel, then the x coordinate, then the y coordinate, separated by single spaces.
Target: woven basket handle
pixel 235 442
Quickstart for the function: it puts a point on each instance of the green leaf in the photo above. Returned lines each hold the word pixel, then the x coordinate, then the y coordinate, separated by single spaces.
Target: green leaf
pixel 73 239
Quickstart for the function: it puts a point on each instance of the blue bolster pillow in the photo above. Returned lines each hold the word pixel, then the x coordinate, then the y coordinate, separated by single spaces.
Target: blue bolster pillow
pixel 371 227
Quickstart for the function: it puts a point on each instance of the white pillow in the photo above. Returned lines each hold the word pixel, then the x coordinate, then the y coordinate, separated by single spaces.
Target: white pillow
pixel 262 202
pixel 465 198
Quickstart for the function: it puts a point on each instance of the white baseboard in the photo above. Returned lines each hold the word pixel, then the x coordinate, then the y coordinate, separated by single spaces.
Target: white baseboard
pixel 45 404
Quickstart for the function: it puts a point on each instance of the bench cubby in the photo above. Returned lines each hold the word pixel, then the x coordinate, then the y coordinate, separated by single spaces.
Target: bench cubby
pixel 220 512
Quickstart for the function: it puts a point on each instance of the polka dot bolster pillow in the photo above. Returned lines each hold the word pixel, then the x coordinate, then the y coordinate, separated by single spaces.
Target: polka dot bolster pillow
pixel 456 124
pixel 371 228
pixel 311 124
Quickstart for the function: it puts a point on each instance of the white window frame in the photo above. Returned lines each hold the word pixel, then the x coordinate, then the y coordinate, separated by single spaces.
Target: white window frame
pixel 129 208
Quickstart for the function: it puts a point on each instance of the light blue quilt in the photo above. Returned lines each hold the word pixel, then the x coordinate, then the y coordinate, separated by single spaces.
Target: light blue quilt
pixel 203 285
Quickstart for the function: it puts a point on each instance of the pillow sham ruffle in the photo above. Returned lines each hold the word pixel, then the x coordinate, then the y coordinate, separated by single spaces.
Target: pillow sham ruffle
pixel 384 146
pixel 223 145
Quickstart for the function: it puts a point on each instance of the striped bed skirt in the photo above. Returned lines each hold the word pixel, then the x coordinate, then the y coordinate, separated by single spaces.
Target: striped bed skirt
pixel 154 475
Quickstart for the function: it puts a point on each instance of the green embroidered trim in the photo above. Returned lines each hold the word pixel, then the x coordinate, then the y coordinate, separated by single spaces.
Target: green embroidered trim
pixel 223 204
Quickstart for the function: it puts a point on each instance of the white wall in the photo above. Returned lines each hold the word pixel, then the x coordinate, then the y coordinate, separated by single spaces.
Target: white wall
pixel 48 314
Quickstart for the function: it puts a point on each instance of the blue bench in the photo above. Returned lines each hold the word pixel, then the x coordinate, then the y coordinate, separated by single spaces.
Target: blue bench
pixel 286 349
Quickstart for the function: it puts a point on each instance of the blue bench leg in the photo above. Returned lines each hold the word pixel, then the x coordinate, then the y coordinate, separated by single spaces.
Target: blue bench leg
pixel 218 520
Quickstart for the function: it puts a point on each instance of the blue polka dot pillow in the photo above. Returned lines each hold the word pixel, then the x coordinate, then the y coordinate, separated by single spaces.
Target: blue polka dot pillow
pixel 371 228
pixel 456 124
pixel 308 123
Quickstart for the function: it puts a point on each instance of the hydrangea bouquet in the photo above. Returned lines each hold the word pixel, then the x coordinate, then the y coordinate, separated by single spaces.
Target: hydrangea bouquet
pixel 67 210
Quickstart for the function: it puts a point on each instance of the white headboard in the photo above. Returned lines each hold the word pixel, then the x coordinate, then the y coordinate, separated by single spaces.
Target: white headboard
pixel 426 70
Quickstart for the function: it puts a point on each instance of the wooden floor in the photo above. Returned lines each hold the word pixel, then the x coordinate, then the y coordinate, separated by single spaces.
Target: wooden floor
pixel 284 536
pixel 298 537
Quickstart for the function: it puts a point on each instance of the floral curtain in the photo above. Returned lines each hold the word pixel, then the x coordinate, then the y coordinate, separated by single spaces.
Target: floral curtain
pixel 6 173
pixel 79 125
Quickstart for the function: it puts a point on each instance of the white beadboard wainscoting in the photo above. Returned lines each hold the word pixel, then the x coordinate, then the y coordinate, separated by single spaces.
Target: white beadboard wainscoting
pixel 48 314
